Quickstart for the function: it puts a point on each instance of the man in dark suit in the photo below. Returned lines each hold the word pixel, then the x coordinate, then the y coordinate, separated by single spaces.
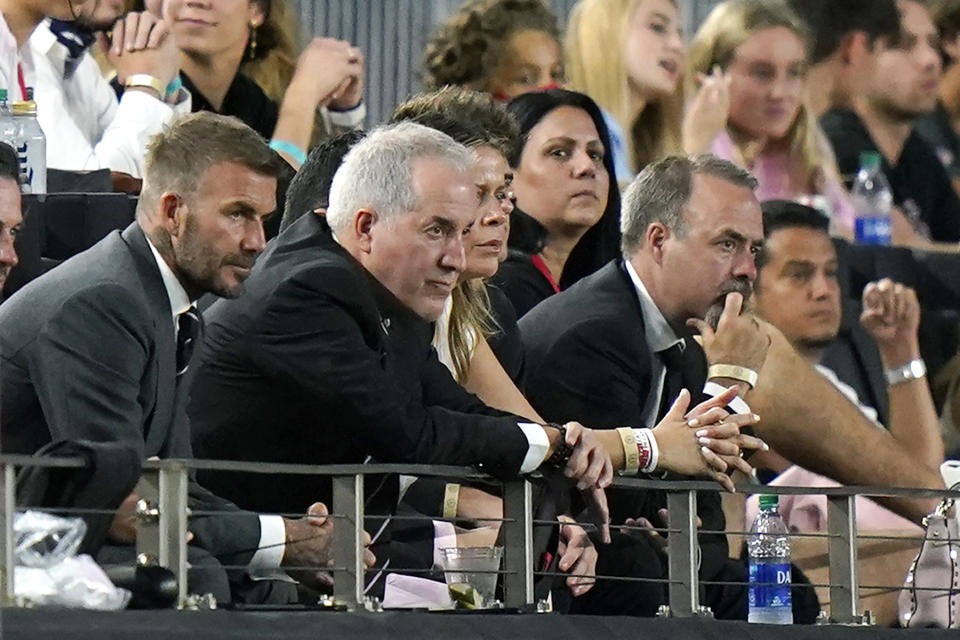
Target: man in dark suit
pixel 327 359
pixel 101 348
pixel 613 349
pixel 10 215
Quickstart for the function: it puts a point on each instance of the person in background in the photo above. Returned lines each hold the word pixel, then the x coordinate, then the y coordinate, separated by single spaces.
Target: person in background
pixel 501 47
pixel 565 223
pixel 845 39
pixel 11 217
pixel 798 292
pixel 902 87
pixel 762 49
pixel 629 56
pixel 309 191
pixel 86 127
pixel 216 37
pixel 940 127
pixel 18 19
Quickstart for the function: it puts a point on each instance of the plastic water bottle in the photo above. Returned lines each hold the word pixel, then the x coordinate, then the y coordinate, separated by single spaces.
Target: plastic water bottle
pixel 872 201
pixel 769 548
pixel 26 137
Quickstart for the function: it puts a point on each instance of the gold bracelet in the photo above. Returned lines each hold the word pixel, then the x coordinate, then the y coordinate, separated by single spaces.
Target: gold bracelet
pixel 733 372
pixel 451 499
pixel 631 455
pixel 147 81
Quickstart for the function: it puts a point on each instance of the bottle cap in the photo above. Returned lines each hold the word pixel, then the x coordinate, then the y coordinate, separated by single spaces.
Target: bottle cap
pixel 25 108
pixel 870 160
pixel 769 502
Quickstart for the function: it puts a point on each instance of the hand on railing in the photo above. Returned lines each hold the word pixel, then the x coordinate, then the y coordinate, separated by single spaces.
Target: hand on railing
pixel 709 443
pixel 591 467
pixel 308 542
pixel 578 556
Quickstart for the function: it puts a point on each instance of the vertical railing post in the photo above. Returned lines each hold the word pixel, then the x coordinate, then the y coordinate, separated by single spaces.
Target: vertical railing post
pixel 7 587
pixel 518 543
pixel 148 520
pixel 348 540
pixel 172 534
pixel 682 550
pixel 842 551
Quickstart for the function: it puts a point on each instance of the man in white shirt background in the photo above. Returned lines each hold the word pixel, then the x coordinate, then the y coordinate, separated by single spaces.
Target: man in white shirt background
pixel 86 127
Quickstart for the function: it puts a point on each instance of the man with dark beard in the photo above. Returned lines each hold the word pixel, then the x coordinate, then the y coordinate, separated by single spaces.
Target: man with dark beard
pixel 101 348
pixel 86 126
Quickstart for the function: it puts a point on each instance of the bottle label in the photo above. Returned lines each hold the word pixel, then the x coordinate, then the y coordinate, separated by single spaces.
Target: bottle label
pixel 872 230
pixel 769 585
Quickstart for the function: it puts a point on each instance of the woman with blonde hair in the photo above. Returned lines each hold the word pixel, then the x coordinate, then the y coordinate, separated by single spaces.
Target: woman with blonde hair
pixel 762 47
pixel 628 55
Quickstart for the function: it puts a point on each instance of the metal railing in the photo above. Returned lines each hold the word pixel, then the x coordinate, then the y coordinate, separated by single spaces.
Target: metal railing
pixel 164 513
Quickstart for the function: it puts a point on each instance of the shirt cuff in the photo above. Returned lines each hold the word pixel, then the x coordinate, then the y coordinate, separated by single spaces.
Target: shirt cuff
pixel 348 119
pixel 738 404
pixel 538 446
pixel 273 537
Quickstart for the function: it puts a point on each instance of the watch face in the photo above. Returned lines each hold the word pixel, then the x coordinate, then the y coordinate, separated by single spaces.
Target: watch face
pixel 916 368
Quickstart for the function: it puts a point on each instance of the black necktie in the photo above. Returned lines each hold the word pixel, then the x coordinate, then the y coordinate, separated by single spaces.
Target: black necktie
pixel 188 331
pixel 673 362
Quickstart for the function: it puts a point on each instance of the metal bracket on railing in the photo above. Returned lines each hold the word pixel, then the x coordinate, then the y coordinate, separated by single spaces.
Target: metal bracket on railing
pixel 9 508
pixel 162 515
pixel 842 550
pixel 348 541
pixel 518 543
pixel 682 553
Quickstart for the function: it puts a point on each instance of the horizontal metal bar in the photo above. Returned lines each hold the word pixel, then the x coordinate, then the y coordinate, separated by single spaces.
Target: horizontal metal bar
pixel 469 473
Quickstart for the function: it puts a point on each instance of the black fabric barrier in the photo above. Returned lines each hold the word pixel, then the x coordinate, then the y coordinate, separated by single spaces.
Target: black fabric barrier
pixel 295 625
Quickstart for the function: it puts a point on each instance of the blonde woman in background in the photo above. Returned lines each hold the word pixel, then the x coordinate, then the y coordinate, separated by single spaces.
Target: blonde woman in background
pixel 761 47
pixel 629 56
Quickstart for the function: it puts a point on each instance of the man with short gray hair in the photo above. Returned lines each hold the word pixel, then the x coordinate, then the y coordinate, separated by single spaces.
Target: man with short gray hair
pixel 615 350
pixel 327 358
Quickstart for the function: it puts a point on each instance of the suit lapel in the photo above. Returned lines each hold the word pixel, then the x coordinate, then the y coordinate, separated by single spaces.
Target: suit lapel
pixel 157 424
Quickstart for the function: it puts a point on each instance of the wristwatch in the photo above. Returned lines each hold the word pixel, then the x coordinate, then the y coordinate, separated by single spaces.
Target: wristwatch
pixel 913 370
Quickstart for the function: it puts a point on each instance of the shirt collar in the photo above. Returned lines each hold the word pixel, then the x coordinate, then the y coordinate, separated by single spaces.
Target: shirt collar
pixel 660 335
pixel 179 300
pixel 45 42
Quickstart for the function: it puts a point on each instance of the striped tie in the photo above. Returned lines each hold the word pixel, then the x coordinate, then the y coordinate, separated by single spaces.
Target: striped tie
pixel 188 331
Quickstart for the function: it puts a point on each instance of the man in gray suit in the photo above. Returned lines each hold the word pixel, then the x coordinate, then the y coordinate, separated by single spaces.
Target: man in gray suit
pixel 101 348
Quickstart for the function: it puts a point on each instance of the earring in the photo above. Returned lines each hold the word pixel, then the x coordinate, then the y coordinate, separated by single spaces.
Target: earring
pixel 253 41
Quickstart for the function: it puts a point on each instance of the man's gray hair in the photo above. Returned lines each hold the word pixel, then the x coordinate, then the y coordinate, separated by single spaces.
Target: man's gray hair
pixel 377 173
pixel 662 190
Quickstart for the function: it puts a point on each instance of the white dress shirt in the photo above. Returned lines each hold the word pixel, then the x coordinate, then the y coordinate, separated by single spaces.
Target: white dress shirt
pixel 10 58
pixel 273 533
pixel 85 126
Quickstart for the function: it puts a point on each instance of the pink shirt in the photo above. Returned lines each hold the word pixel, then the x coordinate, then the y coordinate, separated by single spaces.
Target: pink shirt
pixel 777 180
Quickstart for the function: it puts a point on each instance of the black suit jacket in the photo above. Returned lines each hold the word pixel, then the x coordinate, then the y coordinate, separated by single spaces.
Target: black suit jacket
pixel 87 352
pixel 587 359
pixel 318 363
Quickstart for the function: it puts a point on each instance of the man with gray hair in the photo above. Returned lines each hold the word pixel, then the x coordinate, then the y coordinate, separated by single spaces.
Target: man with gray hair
pixel 615 349
pixel 327 358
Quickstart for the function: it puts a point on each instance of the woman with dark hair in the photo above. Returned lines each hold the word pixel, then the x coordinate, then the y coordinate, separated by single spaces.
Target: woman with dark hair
pixel 566 224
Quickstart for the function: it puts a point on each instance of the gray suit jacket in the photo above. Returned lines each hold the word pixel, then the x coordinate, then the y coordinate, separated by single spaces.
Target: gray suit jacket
pixel 87 352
